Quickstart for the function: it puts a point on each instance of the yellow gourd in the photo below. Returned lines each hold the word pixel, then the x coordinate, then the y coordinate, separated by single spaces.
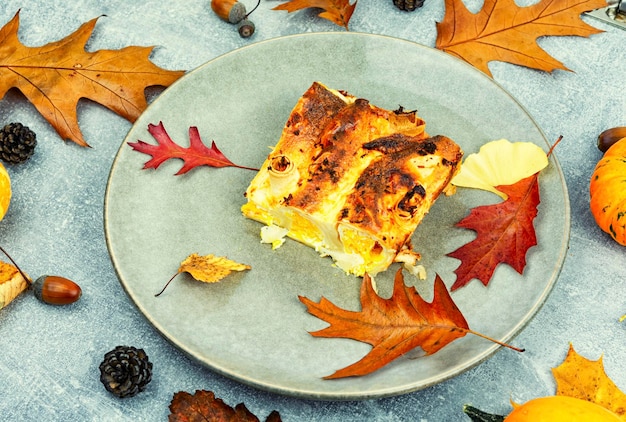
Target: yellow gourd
pixel 560 409
pixel 5 191
pixel 607 191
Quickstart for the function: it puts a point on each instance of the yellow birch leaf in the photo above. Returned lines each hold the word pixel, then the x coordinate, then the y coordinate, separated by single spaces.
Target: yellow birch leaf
pixel 585 379
pixel 210 268
pixel 500 163
pixel 12 283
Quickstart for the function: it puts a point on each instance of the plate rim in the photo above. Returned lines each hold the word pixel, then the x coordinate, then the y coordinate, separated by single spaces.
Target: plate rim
pixel 341 396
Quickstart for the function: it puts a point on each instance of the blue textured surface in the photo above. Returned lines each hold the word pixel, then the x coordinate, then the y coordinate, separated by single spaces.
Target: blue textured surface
pixel 50 355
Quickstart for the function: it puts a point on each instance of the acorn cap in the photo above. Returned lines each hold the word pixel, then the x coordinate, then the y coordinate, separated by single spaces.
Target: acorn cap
pixel 237 13
pixel 245 28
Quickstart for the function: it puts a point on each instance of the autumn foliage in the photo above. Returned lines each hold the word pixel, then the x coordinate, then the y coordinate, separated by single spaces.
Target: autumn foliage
pixel 12 283
pixel 392 326
pixel 204 406
pixel 500 31
pixel 54 77
pixel 504 31
pixel 196 154
pixel 207 269
pixel 336 11
pixel 586 379
pixel 504 233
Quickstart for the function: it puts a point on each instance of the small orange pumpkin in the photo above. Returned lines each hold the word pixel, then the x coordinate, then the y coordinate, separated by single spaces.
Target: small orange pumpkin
pixel 560 409
pixel 607 191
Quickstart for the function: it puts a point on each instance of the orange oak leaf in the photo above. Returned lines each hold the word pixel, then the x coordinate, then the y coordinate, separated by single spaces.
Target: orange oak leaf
pixel 336 11
pixel 392 326
pixel 504 231
pixel 54 77
pixel 197 154
pixel 204 406
pixel 504 31
pixel 585 379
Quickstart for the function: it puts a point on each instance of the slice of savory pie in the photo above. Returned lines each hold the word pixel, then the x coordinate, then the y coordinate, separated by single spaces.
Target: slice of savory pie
pixel 351 180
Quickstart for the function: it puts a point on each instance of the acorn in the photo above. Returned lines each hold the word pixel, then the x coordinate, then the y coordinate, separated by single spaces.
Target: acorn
pixel 245 28
pixel 610 136
pixel 233 11
pixel 229 10
pixel 55 290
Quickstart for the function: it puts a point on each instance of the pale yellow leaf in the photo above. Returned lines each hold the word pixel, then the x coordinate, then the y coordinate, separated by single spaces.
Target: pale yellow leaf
pixel 500 163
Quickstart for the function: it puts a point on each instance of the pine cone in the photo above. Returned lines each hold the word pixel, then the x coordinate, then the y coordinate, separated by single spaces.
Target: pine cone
pixel 125 371
pixel 408 5
pixel 17 143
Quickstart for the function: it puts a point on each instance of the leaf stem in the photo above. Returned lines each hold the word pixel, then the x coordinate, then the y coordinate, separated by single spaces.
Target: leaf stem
pixel 166 284
pixel 246 168
pixel 476 333
pixel 16 266
pixel 554 145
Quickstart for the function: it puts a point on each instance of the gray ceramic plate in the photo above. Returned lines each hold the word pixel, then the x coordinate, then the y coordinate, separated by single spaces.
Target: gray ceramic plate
pixel 251 327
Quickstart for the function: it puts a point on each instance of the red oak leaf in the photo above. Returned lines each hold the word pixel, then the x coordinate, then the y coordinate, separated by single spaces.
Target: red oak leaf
pixel 197 154
pixel 392 326
pixel 504 231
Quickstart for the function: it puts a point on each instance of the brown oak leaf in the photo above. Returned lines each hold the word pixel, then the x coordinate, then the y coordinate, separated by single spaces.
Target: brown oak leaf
pixel 585 379
pixel 54 77
pixel 197 154
pixel 504 233
pixel 336 11
pixel 204 406
pixel 392 326
pixel 504 31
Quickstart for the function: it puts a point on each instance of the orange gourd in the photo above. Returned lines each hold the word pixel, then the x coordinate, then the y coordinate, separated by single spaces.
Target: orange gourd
pixel 560 409
pixel 607 190
pixel 5 191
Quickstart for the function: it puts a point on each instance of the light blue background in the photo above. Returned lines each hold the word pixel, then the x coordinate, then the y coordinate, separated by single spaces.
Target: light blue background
pixel 49 355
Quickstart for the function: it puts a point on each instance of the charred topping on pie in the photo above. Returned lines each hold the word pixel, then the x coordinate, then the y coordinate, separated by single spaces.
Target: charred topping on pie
pixel 389 187
pixel 411 199
pixel 335 153
pixel 399 142
pixel 318 106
